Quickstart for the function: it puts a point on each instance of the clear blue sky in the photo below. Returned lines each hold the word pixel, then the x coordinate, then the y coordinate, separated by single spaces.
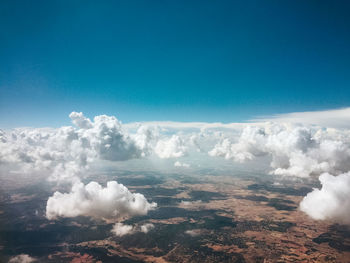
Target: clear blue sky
pixel 171 60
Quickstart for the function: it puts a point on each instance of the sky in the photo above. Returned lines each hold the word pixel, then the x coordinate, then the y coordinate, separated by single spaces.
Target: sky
pixel 210 61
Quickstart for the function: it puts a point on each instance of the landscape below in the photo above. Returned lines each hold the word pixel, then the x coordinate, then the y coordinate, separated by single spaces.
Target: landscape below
pixel 202 217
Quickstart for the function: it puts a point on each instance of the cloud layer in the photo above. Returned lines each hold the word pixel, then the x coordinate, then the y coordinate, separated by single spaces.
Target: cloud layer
pixel 67 153
pixel 295 151
pixel 336 118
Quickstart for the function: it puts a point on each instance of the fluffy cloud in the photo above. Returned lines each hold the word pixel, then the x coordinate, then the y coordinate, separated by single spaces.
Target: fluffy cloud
pixel 295 151
pixel 170 148
pixel 145 138
pixel 107 138
pixel 301 151
pixel 65 153
pixel 332 201
pixel 120 229
pixel 58 152
pixel 111 202
pixel 80 120
pixel 23 258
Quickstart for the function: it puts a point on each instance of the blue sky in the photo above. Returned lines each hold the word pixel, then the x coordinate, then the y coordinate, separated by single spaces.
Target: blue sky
pixel 225 61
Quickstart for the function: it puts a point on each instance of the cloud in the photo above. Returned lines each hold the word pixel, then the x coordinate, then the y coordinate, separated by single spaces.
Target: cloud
pixel 193 232
pixel 66 152
pixel 111 202
pixel 61 153
pixel 172 126
pixel 332 201
pixel 146 228
pixel 170 148
pixel 23 258
pixel 301 151
pixel 108 139
pixel 336 118
pixel 120 229
pixel 145 138
pixel 179 164
pixel 80 120
pixel 295 150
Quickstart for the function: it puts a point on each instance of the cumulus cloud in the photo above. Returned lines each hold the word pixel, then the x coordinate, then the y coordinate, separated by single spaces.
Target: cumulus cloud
pixel 57 152
pixel 80 120
pixel 111 202
pixel 170 148
pixel 120 229
pixel 145 138
pixel 23 258
pixel 332 201
pixel 301 151
pixel 66 152
pixel 295 151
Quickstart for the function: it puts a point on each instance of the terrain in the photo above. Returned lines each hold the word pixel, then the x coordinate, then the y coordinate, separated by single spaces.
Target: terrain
pixel 202 217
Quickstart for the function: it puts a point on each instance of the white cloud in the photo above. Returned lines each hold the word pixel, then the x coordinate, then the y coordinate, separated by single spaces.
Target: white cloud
pixel 80 120
pixel 57 152
pixel 146 228
pixel 193 233
pixel 170 148
pixel 66 152
pixel 332 201
pixel 111 202
pixel 145 138
pixel 173 126
pixel 301 151
pixel 23 258
pixel 109 140
pixel 120 229
pixel 295 151
pixel 336 118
